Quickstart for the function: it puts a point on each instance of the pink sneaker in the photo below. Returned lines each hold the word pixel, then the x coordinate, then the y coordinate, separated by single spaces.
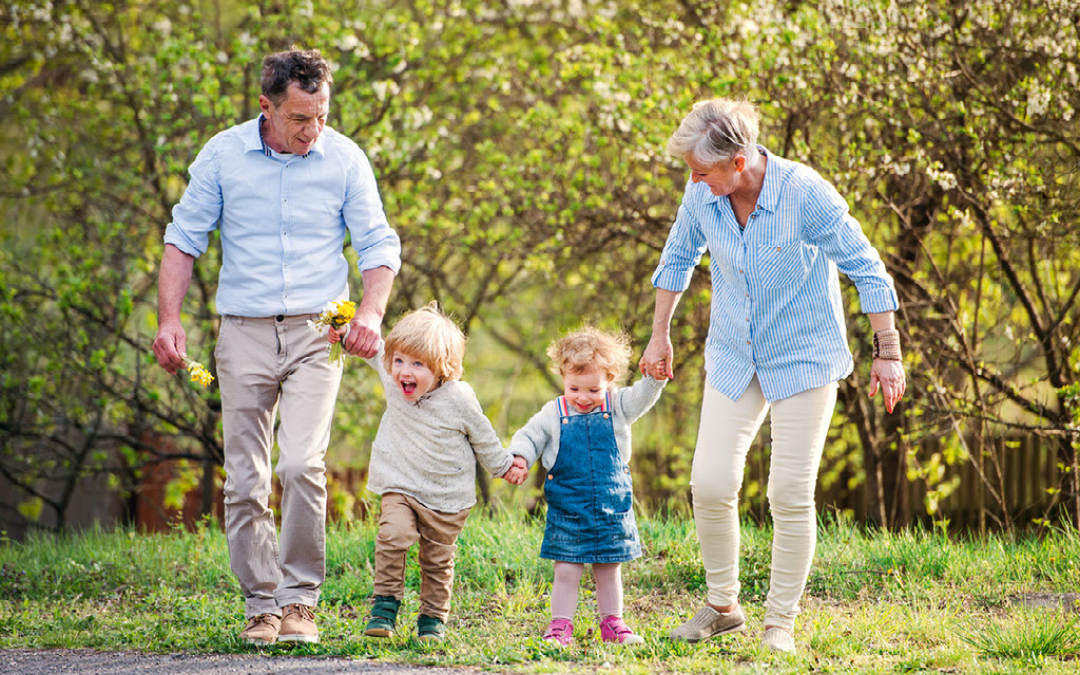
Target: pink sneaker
pixel 613 629
pixel 560 632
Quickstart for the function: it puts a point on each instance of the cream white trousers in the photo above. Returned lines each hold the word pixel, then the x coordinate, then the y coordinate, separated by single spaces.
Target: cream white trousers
pixel 268 366
pixel 799 425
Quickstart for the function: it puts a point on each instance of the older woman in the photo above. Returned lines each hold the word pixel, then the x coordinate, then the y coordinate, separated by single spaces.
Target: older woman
pixel 777 232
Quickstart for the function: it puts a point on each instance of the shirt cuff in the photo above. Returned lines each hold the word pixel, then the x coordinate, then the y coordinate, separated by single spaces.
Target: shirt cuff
pixel 371 261
pixel 878 300
pixel 175 236
pixel 669 278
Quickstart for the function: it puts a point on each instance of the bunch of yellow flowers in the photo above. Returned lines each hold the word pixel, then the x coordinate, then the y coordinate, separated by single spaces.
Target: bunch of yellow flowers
pixel 198 373
pixel 336 314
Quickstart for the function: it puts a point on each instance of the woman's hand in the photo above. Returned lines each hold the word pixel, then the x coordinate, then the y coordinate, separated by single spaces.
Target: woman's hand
pixel 656 361
pixel 889 375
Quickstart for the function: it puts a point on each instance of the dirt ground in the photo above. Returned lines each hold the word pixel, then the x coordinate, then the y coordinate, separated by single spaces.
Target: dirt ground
pixel 84 662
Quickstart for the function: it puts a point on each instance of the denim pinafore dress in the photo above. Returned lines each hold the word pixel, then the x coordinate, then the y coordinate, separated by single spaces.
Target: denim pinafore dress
pixel 590 514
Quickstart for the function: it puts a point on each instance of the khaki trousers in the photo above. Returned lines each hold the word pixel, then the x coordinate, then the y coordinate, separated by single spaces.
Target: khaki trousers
pixel 269 366
pixel 405 521
pixel 800 425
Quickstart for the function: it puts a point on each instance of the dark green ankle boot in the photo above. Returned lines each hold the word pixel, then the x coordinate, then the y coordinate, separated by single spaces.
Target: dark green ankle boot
pixel 383 616
pixel 430 629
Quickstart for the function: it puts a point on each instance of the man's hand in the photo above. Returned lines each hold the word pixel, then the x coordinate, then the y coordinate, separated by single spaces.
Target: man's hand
pixel 889 376
pixel 170 347
pixel 518 471
pixel 364 334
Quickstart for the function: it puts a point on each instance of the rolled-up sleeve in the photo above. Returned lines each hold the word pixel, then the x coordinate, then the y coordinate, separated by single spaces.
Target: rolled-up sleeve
pixel 197 213
pixel 683 250
pixel 375 242
pixel 830 227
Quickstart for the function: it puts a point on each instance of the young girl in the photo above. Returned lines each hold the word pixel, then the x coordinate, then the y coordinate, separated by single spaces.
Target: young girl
pixel 423 463
pixel 583 440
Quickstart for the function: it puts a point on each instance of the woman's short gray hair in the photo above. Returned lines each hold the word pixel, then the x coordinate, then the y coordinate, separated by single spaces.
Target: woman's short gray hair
pixel 715 131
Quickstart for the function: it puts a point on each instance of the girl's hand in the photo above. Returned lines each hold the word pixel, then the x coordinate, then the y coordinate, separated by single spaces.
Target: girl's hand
pixel 335 335
pixel 517 472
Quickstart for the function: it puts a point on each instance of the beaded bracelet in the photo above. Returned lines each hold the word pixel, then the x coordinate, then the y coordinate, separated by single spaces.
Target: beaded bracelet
pixel 887 345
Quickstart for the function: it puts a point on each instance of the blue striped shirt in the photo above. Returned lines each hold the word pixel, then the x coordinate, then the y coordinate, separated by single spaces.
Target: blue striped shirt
pixel 776 306
pixel 283 219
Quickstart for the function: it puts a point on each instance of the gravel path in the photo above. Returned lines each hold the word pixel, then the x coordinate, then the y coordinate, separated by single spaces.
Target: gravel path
pixel 85 662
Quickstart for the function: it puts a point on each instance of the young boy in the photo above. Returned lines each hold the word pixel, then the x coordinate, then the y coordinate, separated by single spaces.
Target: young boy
pixel 423 463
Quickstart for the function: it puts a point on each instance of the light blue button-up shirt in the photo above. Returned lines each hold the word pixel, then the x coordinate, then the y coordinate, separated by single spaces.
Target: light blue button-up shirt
pixel 283 219
pixel 776 307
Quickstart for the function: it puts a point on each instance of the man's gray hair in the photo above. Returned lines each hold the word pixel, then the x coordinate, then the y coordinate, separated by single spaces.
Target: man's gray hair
pixel 715 131
pixel 306 67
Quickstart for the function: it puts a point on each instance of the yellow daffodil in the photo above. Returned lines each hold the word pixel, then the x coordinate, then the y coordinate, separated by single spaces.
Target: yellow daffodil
pixel 336 314
pixel 198 373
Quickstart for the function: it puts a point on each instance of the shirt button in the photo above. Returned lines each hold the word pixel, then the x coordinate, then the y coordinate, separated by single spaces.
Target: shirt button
pixel 550 477
pixel 777 249
pixel 741 272
pixel 606 415
pixel 747 342
pixel 565 420
pixel 747 318
pixel 284 201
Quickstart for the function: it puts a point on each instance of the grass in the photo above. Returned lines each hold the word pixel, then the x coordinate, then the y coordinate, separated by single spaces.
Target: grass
pixel 876 602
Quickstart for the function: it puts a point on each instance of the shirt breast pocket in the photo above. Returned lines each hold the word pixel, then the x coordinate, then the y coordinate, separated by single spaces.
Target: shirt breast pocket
pixel 783 263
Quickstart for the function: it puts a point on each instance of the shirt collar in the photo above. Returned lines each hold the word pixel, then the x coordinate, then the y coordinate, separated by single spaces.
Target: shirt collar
pixel 253 141
pixel 770 186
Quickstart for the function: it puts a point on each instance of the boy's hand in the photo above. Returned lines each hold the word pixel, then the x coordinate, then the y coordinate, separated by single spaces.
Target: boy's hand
pixel 335 334
pixel 518 471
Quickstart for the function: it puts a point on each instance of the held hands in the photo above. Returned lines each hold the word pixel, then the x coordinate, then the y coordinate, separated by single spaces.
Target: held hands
pixel 170 347
pixel 889 377
pixel 361 336
pixel 517 472
pixel 656 361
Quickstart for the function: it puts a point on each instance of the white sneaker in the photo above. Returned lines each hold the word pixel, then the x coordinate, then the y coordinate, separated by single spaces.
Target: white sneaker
pixel 709 623
pixel 778 640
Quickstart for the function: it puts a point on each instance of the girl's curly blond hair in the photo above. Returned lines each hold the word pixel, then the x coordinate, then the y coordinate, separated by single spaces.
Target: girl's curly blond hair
pixel 608 351
pixel 430 336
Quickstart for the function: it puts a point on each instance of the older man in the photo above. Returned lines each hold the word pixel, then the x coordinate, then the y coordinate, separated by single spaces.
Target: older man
pixel 283 189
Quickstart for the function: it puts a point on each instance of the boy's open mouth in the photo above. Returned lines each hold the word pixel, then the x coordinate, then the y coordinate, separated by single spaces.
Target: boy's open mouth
pixel 408 388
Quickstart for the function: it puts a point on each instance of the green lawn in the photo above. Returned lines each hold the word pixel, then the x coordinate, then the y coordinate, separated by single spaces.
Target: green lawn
pixel 876 602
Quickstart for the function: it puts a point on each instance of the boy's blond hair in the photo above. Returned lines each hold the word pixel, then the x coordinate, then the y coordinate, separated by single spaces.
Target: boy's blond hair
pixel 430 336
pixel 608 351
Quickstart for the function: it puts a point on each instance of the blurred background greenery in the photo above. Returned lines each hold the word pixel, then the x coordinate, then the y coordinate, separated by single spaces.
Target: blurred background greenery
pixel 519 148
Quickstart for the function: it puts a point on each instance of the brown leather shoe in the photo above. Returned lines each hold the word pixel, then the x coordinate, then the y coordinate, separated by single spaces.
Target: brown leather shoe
pixel 298 624
pixel 261 629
